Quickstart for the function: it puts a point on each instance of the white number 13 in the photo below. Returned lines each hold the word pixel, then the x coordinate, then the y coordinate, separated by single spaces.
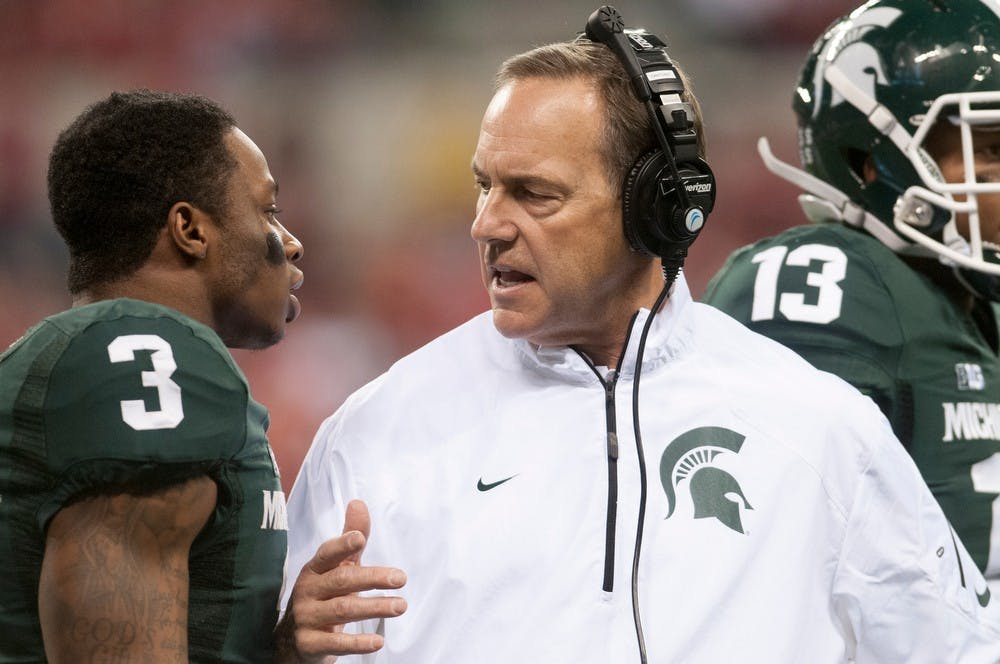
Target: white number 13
pixel 793 305
pixel 134 411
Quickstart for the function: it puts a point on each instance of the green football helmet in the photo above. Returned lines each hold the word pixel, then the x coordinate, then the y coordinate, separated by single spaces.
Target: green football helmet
pixel 872 87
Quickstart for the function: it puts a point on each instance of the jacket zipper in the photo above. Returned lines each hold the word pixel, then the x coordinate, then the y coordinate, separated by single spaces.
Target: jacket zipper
pixel 611 427
pixel 612 437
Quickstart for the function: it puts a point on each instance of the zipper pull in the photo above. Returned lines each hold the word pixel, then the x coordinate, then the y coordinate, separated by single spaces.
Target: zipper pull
pixel 609 387
pixel 612 446
pixel 609 400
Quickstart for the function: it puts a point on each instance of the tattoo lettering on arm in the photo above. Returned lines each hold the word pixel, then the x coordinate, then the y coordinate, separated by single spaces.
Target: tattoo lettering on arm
pixel 114 583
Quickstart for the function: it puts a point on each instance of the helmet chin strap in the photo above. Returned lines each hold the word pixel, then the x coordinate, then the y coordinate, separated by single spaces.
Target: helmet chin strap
pixel 978 282
pixel 982 281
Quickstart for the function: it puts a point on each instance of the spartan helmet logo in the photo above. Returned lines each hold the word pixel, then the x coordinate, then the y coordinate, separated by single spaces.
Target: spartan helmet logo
pixel 859 60
pixel 689 457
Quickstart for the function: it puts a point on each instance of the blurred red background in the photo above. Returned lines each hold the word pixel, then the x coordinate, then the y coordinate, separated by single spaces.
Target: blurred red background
pixel 368 113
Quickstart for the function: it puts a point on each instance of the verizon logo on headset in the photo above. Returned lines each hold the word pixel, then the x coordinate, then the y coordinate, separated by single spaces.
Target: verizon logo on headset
pixel 698 187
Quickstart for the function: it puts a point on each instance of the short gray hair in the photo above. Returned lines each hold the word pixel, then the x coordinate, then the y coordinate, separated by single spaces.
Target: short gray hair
pixel 627 129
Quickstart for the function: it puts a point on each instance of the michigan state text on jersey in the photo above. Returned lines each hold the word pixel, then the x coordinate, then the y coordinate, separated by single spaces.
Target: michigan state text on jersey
pixel 123 395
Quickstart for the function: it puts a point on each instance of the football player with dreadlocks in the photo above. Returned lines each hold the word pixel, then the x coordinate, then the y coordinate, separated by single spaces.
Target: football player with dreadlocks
pixel 898 107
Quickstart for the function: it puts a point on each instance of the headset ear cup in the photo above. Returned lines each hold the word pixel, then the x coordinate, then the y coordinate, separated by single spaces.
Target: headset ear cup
pixel 639 202
pixel 684 224
pixel 655 220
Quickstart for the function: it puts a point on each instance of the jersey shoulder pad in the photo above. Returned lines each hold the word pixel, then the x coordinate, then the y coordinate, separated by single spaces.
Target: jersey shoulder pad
pixel 140 382
pixel 820 280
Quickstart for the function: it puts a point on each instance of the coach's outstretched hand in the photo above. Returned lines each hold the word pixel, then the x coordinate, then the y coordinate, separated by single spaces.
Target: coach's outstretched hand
pixel 325 597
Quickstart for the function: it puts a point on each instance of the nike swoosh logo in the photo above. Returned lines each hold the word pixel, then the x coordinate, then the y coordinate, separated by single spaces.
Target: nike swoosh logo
pixel 482 486
pixel 982 597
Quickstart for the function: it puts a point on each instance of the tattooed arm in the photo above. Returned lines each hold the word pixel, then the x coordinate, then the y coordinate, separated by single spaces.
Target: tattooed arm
pixel 114 584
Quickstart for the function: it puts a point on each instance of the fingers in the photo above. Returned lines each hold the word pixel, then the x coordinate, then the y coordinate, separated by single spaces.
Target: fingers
pixel 319 624
pixel 314 630
pixel 312 644
pixel 339 611
pixel 347 547
pixel 356 518
pixel 348 579
pixel 333 572
pixel 326 597
pixel 336 551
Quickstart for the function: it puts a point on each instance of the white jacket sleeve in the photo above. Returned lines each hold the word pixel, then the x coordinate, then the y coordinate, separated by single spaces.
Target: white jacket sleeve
pixel 905 587
pixel 316 507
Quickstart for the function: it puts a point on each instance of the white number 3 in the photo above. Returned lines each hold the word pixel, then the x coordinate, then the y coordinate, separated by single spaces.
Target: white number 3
pixel 134 411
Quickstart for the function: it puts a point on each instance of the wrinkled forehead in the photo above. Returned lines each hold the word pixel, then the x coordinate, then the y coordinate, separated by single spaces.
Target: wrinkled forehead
pixel 540 120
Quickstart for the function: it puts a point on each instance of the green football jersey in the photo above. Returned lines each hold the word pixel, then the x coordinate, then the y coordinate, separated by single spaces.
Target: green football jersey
pixel 852 307
pixel 129 395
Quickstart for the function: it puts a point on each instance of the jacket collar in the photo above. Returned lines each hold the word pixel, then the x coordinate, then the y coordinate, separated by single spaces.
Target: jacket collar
pixel 669 337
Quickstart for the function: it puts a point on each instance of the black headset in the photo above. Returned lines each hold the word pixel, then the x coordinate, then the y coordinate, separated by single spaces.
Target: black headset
pixel 669 190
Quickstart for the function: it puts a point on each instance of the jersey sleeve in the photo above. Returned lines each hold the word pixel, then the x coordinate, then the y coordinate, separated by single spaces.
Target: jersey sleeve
pixel 137 403
pixel 902 570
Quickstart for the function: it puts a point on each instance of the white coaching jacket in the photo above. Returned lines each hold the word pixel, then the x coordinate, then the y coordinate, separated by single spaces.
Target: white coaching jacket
pixel 782 521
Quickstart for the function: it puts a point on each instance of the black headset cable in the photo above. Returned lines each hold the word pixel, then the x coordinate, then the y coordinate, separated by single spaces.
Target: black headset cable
pixel 668 284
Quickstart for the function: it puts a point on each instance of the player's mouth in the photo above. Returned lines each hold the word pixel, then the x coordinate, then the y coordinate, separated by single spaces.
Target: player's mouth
pixel 294 306
pixel 504 278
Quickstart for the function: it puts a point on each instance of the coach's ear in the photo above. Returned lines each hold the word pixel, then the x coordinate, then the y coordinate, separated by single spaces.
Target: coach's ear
pixel 190 229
